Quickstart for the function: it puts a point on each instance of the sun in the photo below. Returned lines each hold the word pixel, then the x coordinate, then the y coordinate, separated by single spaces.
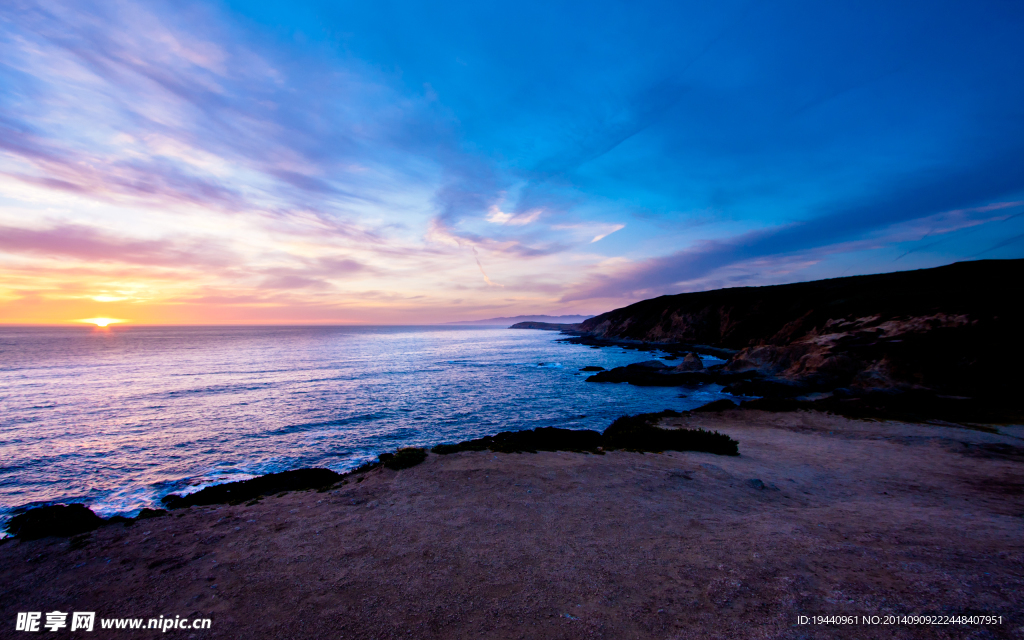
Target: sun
pixel 101 322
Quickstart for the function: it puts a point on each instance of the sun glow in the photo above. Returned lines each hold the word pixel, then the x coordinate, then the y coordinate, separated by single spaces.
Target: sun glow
pixel 101 322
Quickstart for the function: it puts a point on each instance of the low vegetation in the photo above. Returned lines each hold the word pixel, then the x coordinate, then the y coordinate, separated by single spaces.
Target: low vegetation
pixel 631 433
pixel 403 458
pixel 530 441
pixel 297 480
pixel 54 520
pixel 639 433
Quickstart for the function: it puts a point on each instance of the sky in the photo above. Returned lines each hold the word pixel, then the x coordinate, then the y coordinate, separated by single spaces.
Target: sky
pixel 404 162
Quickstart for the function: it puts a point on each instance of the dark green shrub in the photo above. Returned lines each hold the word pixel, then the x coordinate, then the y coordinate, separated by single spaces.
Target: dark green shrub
pixel 529 441
pixel 296 480
pixel 404 458
pixel 55 520
pixel 638 433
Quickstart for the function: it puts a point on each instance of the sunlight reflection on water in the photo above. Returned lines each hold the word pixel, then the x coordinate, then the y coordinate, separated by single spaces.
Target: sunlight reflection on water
pixel 118 418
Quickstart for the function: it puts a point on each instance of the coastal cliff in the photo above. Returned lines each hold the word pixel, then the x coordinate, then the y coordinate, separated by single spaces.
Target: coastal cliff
pixel 950 330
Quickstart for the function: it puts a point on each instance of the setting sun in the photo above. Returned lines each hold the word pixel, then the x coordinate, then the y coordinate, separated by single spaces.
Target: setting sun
pixel 101 322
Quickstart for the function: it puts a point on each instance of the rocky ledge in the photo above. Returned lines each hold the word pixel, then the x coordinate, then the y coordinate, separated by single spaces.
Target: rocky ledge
pixel 932 343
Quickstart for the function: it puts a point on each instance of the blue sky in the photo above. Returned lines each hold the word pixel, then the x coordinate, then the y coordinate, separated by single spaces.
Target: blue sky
pixel 398 162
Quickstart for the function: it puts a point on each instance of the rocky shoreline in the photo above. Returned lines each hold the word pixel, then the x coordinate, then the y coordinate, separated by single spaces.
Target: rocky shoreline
pixel 630 433
pixel 933 344
pixel 819 515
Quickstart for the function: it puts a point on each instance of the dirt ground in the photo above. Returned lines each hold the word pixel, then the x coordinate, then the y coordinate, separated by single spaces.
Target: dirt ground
pixel 819 515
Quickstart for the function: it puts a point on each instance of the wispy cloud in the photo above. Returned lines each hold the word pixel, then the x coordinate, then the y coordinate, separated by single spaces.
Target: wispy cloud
pixel 182 156
pixel 907 199
pixel 88 244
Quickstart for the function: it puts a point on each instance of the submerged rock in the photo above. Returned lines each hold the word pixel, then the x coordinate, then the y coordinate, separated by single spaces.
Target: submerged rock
pixel 667 377
pixel 55 520
pixel 592 368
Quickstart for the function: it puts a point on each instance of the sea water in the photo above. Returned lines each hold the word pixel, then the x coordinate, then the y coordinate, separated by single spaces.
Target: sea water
pixel 117 418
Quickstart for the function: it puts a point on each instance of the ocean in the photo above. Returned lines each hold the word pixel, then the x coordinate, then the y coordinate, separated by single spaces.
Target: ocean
pixel 117 418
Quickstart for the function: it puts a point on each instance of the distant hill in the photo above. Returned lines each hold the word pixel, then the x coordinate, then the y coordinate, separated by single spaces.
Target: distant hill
pixel 517 319
pixel 547 326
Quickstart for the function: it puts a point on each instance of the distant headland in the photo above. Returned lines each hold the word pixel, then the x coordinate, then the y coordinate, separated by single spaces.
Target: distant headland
pixel 521 319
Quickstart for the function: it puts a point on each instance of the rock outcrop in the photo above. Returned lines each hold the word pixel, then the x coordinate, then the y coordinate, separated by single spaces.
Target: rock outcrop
pixel 691 362
pixel 951 331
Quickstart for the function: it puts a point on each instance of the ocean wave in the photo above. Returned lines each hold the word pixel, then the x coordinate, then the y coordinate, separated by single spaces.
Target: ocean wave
pixel 312 426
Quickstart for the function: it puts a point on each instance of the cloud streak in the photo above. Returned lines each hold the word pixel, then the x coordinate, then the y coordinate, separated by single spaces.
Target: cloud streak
pixel 91 245
pixel 908 199
pixel 332 162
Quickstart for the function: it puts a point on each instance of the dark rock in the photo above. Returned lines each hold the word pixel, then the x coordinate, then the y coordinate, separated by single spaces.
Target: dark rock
pixel 592 368
pixel 650 364
pixel 296 480
pixel 650 377
pixel 673 348
pixel 691 362
pixel 145 514
pixel 757 484
pixel 404 458
pixel 774 404
pixel 768 388
pixel 54 520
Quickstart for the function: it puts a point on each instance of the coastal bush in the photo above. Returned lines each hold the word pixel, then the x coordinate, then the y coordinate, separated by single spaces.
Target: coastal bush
pixel 296 480
pixel 479 444
pixel 635 433
pixel 638 433
pixel 55 520
pixel 403 458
